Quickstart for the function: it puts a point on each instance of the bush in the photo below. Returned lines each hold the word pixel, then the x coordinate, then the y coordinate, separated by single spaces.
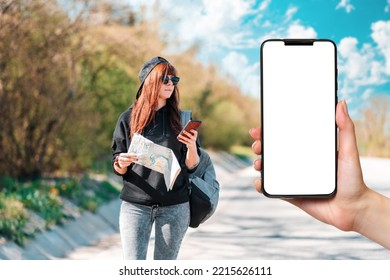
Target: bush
pixel 87 193
pixel 8 184
pixel 46 205
pixel 13 218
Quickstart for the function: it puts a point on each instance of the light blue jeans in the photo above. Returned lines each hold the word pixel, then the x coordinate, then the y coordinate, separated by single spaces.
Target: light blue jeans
pixel 135 224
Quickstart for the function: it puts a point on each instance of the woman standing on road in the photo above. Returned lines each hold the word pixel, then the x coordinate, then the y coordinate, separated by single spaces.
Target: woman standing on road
pixel 145 200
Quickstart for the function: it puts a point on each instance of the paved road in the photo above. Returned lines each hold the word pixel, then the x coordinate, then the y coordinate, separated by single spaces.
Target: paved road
pixel 249 226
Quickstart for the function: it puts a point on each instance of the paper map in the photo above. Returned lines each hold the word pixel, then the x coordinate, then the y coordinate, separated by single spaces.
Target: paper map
pixel 155 157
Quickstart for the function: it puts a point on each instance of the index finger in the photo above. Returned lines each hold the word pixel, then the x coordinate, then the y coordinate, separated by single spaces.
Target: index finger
pixel 255 133
pixel 194 132
pixel 190 134
pixel 129 155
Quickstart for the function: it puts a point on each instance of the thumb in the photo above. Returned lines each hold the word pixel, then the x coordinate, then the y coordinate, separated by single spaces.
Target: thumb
pixel 347 140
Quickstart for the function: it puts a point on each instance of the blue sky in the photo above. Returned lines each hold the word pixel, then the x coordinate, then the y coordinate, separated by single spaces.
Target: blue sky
pixel 229 34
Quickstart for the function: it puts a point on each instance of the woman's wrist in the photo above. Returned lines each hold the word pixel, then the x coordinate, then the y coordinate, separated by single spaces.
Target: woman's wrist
pixel 372 218
pixel 193 166
pixel 362 210
pixel 192 159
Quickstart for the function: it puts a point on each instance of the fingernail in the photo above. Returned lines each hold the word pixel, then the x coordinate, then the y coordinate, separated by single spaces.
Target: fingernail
pixel 250 130
pixel 345 107
pixel 253 145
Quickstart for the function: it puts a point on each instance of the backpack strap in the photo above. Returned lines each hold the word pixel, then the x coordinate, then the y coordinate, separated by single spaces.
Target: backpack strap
pixel 185 116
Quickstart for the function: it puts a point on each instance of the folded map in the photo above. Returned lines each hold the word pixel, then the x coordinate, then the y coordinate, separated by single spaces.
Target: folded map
pixel 156 157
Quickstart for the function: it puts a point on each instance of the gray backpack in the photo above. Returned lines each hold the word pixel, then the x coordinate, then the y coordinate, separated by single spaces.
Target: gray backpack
pixel 203 185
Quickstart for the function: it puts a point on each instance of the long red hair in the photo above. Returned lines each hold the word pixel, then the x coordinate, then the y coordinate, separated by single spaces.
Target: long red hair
pixel 144 108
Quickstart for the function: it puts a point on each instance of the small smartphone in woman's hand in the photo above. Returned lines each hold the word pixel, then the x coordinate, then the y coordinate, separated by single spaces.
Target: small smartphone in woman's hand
pixel 192 124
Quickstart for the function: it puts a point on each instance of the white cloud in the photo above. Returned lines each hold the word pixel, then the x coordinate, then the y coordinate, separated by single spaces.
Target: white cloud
pixel 290 13
pixel 345 4
pixel 238 66
pixel 359 65
pixel 259 12
pixel 355 63
pixel 381 35
pixel 212 24
pixel 296 30
pixel 366 66
pixel 288 27
pixel 264 5
pixel 291 30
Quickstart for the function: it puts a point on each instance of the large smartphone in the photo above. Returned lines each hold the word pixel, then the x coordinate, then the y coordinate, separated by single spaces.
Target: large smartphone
pixel 191 124
pixel 298 109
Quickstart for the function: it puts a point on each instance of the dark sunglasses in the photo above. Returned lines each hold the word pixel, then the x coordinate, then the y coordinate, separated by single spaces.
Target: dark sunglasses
pixel 174 80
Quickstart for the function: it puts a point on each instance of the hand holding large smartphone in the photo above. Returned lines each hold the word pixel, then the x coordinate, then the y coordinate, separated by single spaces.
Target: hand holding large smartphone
pixel 298 104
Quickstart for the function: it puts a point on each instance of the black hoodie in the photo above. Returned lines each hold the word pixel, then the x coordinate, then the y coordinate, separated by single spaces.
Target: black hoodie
pixel 140 184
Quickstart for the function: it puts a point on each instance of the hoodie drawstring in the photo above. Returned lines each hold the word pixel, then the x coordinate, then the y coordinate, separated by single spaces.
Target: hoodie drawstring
pixel 153 212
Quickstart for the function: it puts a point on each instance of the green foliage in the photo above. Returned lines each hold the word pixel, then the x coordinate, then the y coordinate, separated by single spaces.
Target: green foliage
pixel 39 51
pixel 46 205
pixel 7 184
pixel 243 152
pixel 30 207
pixel 110 91
pixel 224 128
pixel 88 194
pixel 13 218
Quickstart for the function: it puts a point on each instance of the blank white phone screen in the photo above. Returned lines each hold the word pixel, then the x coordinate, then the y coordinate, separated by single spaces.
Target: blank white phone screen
pixel 299 95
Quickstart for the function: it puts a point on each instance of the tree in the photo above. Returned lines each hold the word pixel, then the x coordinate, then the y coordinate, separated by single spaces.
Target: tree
pixel 64 79
pixel 373 127
pixel 38 78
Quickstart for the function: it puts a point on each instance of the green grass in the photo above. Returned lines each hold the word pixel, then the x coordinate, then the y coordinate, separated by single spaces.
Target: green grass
pixel 243 152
